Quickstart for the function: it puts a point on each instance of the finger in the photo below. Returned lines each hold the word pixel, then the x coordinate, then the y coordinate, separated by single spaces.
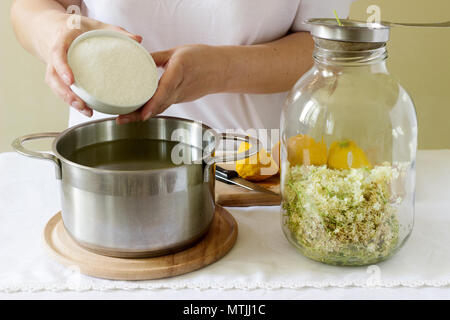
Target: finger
pixel 162 57
pixel 145 115
pixel 133 36
pixel 62 90
pixel 59 59
pixel 127 118
pixel 163 107
pixel 164 95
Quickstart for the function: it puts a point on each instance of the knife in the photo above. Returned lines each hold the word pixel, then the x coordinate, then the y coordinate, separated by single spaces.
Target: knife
pixel 232 177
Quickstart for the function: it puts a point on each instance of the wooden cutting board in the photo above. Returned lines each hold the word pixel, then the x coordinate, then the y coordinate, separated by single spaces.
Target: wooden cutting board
pixel 234 196
pixel 214 245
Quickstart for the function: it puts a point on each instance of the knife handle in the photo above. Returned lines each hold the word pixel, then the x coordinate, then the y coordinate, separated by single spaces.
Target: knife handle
pixel 223 179
pixel 226 174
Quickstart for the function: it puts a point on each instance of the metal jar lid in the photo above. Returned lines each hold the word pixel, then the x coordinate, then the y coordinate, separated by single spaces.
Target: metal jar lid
pixel 349 31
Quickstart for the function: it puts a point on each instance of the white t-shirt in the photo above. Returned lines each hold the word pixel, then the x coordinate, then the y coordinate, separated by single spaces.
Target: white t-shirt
pixel 165 24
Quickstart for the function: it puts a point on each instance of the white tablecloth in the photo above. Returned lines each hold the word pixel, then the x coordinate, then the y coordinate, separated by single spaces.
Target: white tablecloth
pixel 261 265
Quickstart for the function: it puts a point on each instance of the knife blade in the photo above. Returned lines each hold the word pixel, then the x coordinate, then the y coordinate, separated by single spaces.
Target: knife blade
pixel 232 177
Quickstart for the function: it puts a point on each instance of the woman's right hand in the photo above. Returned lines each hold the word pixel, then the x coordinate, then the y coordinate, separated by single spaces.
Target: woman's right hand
pixel 59 76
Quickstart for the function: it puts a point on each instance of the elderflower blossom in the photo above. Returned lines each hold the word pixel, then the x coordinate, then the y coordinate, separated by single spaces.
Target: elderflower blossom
pixel 342 216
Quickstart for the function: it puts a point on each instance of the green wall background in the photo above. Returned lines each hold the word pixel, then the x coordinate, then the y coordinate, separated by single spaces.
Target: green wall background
pixel 419 58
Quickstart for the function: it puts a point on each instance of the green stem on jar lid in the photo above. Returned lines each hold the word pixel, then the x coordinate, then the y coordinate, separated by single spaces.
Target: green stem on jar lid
pixel 337 18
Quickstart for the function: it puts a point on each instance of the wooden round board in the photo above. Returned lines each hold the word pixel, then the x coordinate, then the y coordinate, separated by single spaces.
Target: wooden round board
pixel 218 242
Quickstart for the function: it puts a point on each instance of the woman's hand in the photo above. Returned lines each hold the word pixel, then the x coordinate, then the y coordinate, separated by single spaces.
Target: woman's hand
pixel 191 72
pixel 41 26
pixel 194 71
pixel 59 76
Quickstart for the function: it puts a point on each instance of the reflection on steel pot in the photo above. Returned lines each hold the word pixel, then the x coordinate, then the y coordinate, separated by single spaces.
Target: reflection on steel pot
pixel 139 189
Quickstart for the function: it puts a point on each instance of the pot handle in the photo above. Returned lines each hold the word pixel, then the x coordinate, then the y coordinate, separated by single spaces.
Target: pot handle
pixel 254 149
pixel 19 147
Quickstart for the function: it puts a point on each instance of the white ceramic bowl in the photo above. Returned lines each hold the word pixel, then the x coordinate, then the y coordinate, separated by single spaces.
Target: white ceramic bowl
pixel 94 102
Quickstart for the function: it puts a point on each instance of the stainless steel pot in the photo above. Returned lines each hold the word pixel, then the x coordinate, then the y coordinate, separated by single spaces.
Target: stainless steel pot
pixel 132 212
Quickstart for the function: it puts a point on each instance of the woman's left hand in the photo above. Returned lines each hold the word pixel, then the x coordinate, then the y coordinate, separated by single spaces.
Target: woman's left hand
pixel 191 72
pixel 194 71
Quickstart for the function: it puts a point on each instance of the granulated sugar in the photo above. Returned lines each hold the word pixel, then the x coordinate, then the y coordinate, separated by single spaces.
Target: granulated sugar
pixel 113 70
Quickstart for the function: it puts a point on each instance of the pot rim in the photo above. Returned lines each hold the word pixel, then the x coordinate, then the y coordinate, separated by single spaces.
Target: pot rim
pixel 109 171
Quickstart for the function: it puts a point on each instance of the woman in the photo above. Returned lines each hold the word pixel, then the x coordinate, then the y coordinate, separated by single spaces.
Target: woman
pixel 226 63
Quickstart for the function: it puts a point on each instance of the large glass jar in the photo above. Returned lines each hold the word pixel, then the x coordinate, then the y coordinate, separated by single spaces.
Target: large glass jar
pixel 349 140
